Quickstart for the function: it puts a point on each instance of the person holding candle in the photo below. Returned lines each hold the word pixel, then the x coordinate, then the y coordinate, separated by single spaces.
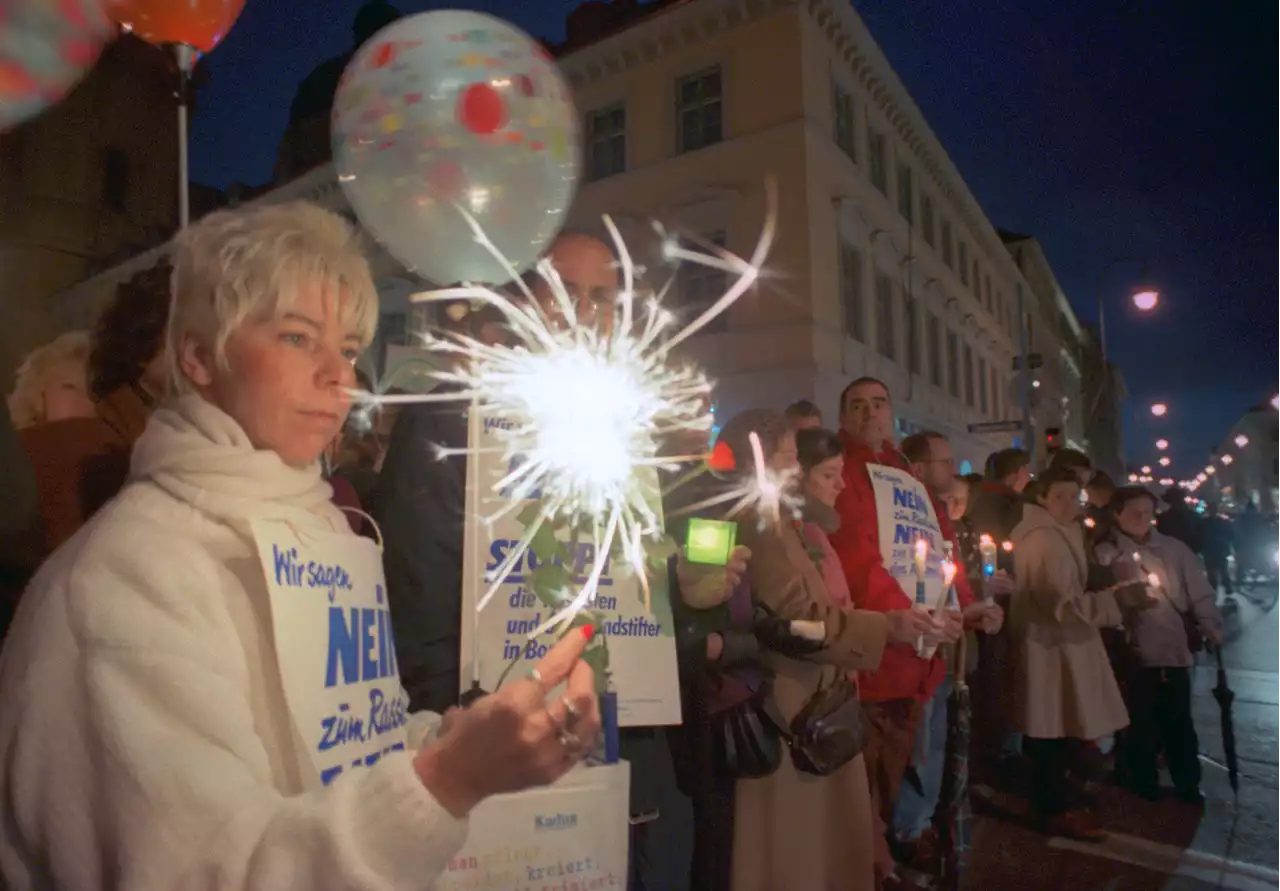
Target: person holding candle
pixel 794 829
pixel 153 732
pixel 1163 638
pixel 932 462
pixel 1064 690
pixel 892 695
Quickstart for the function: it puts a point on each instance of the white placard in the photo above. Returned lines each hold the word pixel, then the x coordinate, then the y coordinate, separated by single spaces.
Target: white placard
pixel 568 837
pixel 333 639
pixel 904 514
pixel 642 652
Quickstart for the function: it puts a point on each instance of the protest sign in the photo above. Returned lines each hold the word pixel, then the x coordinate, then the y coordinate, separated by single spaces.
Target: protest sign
pixel 333 640
pixel 642 655
pixel 904 514
pixel 571 836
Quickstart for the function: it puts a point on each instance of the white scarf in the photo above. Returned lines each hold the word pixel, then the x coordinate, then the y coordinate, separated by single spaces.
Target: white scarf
pixel 198 454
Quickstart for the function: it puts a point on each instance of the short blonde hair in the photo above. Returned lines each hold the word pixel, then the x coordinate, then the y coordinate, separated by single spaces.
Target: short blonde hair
pixel 26 403
pixel 235 265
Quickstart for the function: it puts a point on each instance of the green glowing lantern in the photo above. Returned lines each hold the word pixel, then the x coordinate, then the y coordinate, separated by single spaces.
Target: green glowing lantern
pixel 710 541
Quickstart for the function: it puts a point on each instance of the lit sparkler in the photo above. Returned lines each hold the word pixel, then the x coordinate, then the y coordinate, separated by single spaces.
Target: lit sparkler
pixel 583 414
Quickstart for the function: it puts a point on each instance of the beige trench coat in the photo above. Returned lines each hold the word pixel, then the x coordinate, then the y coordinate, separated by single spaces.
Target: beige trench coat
pixel 794 831
pixel 1064 685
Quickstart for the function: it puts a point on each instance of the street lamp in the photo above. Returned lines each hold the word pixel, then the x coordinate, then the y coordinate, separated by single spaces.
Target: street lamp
pixel 1159 409
pixel 1227 459
pixel 1275 401
pixel 1146 299
pixel 1242 440
pixel 1146 468
pixel 1162 444
pixel 1164 462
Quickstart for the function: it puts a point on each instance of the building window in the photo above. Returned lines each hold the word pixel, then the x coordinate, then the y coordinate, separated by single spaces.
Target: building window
pixel 953 364
pixel 935 350
pixel 884 316
pixel 842 120
pixel 905 203
pixel 926 218
pixel 947 255
pixel 606 142
pixel 964 263
pixel 991 308
pixel 698 286
pixel 855 318
pixel 913 333
pixel 977 281
pixel 876 150
pixel 115 179
pixel 698 104
pixel 968 376
pixel 983 404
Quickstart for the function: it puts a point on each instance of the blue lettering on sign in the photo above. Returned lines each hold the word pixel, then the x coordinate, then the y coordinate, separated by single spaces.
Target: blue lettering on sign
pixel 584 558
pixel 910 534
pixel 361 646
pixel 555 821
pixel 909 498
pixel 293 573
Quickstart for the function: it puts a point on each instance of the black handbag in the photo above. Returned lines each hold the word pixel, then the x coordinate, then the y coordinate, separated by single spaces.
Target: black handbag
pixel 830 731
pixel 746 739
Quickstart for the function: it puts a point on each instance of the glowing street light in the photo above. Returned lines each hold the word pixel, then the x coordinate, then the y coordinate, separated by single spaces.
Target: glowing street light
pixel 1162 444
pixel 1166 481
pixel 1275 401
pixel 1133 477
pixel 1211 470
pixel 1146 468
pixel 1146 299
pixel 1242 440
pixel 1159 409
pixel 1165 461
pixel 1227 459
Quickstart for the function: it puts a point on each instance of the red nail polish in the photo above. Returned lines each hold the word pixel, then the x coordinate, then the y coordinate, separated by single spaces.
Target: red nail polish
pixel 588 631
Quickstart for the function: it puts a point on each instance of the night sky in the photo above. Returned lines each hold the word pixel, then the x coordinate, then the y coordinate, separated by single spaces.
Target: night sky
pixel 1145 129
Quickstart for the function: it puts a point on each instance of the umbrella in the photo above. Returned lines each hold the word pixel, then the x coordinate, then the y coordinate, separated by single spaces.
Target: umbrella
pixel 1225 696
pixel 954 812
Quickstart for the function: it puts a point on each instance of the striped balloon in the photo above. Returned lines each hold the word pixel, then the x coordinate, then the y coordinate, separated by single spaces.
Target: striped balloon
pixel 45 48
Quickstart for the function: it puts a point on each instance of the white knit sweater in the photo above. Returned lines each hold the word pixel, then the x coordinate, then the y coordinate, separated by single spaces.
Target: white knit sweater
pixel 144 739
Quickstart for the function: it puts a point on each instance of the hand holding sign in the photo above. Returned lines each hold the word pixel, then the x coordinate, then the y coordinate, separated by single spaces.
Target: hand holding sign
pixel 514 739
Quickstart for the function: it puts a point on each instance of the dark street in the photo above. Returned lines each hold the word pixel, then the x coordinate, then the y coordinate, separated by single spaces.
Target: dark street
pixel 1167 844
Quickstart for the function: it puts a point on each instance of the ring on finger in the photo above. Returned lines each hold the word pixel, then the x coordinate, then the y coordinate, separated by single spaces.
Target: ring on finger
pixel 571 713
pixel 571 743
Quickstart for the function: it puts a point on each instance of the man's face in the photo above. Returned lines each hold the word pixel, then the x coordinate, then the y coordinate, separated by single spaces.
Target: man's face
pixel 867 414
pixel 590 278
pixel 938 471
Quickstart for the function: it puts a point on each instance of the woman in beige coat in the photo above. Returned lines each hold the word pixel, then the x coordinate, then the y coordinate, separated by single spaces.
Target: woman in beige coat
pixel 794 831
pixel 1065 691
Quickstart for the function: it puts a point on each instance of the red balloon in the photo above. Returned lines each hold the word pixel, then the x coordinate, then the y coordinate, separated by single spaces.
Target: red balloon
pixel 200 24
pixel 481 110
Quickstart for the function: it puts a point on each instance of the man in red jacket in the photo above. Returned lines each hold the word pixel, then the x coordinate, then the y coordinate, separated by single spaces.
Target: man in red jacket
pixel 892 694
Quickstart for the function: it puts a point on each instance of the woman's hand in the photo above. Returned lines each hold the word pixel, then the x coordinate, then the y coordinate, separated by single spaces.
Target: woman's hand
pixel 703 586
pixel 907 625
pixel 514 739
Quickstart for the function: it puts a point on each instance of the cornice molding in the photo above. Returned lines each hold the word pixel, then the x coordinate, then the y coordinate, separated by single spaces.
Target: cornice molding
pixel 681 26
pixel 855 45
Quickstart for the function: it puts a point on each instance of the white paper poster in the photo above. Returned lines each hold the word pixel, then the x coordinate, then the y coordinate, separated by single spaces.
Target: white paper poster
pixel 333 639
pixel 568 837
pixel 904 514
pixel 642 653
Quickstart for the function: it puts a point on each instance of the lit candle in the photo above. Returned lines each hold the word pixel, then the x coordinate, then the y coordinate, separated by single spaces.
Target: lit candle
pixel 1089 523
pixel 1153 580
pixel 921 558
pixel 1008 546
pixel 922 597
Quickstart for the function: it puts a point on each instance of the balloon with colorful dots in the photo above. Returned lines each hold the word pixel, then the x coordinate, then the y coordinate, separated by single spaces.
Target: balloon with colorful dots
pixel 45 47
pixel 452 113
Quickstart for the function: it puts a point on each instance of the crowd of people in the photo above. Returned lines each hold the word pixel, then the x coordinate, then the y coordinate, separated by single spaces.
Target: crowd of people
pixel 144 730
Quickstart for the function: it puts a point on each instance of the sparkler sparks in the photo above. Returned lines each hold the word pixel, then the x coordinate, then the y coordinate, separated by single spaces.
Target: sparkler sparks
pixel 582 416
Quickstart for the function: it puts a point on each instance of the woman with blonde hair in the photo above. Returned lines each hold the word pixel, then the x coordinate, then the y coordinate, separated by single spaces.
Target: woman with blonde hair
pixel 793 830
pixel 51 384
pixel 162 675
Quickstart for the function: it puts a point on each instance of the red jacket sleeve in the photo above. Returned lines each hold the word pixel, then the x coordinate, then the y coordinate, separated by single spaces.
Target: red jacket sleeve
pixel 857 542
